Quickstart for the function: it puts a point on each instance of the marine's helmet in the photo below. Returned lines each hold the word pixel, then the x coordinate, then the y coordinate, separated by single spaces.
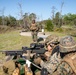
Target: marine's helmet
pixel 67 44
pixel 52 39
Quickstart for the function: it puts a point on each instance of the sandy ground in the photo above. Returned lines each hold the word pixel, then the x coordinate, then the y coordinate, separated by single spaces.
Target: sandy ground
pixel 40 34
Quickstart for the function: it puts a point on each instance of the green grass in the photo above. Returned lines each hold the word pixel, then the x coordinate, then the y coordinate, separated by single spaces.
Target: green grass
pixel 13 40
pixel 61 34
pixel 57 33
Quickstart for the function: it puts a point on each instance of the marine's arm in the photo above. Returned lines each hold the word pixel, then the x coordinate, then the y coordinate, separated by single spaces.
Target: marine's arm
pixel 63 69
pixel 52 63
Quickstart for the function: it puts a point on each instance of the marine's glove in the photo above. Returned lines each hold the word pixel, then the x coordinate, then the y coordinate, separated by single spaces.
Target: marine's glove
pixel 37 60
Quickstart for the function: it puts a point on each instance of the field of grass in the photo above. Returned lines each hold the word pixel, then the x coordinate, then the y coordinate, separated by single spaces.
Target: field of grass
pixel 13 40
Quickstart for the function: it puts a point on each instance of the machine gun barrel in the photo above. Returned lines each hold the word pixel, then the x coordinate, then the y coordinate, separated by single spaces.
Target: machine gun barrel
pixel 12 52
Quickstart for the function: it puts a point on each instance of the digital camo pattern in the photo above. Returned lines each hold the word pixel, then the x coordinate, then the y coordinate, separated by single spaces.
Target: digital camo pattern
pixel 52 64
pixel 51 38
pixel 64 69
pixel 67 44
pixel 34 27
pixel 34 35
pixel 34 32
pixel 67 65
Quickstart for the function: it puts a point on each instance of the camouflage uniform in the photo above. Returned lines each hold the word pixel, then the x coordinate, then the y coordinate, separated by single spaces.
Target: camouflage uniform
pixel 52 63
pixel 34 31
pixel 68 53
pixel 51 38
pixel 54 59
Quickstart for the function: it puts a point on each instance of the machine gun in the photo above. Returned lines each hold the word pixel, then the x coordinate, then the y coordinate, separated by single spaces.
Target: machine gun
pixel 37 48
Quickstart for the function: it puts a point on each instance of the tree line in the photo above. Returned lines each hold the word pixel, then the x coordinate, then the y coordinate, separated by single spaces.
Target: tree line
pixel 58 20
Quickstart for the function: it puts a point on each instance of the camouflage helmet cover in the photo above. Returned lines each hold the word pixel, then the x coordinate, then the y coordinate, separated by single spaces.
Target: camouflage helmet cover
pixel 67 44
pixel 51 39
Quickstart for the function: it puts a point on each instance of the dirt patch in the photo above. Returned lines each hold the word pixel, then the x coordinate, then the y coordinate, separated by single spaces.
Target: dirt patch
pixel 40 34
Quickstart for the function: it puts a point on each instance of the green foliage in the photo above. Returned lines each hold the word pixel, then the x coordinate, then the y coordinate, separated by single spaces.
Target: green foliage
pixel 32 16
pixel 58 29
pixel 11 21
pixel 70 19
pixel 58 21
pixel 49 25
